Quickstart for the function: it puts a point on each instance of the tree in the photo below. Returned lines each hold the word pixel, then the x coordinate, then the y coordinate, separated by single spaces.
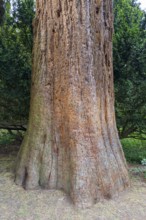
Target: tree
pixel 72 141
pixel 130 68
pixel 15 62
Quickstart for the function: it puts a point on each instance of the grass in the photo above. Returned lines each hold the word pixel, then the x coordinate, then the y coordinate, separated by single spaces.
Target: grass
pixel 135 150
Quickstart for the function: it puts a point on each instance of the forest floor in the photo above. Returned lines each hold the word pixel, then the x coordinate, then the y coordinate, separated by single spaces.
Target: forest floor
pixel 18 204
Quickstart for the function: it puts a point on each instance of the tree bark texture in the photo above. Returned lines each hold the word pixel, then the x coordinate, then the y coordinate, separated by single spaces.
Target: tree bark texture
pixel 72 141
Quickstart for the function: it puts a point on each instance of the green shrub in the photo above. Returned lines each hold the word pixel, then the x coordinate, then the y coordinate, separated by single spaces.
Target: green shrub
pixel 135 150
pixel 6 138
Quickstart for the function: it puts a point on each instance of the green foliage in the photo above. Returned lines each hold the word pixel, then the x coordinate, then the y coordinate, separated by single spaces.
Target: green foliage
pixel 135 150
pixel 10 141
pixel 143 162
pixel 130 67
pixel 24 14
pixel 15 62
pixel 2 11
pixel 6 138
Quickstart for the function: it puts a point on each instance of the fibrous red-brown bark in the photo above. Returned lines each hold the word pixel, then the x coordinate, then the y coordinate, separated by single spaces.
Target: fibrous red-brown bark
pixel 72 141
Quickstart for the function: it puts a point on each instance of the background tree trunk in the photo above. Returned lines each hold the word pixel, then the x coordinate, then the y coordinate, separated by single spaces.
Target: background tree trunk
pixel 72 141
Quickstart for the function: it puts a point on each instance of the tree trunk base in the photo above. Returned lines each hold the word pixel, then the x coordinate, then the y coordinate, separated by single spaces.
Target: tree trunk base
pixel 87 179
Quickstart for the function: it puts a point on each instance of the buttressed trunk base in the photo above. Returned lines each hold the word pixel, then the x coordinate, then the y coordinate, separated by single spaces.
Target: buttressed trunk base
pixel 72 141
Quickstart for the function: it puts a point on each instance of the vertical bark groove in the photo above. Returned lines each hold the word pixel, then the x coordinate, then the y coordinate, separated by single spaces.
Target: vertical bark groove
pixel 72 141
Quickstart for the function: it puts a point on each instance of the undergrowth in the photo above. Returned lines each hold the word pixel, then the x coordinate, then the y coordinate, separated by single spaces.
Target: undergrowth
pixel 135 150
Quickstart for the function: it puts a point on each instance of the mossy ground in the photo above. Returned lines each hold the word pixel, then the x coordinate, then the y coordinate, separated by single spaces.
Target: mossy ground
pixel 18 204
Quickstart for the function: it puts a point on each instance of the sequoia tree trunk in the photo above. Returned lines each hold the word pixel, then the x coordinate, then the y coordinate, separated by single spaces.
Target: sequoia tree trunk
pixel 72 141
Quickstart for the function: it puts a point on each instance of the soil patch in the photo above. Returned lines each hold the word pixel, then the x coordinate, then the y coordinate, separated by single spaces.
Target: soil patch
pixel 19 204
